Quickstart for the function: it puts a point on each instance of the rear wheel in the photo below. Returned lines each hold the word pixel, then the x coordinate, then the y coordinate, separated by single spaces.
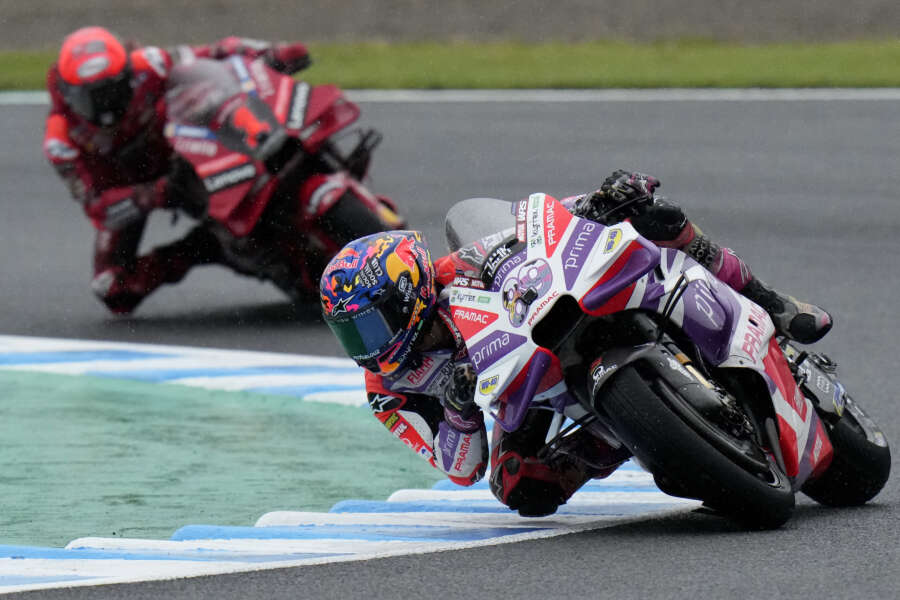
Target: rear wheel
pixel 861 463
pixel 691 456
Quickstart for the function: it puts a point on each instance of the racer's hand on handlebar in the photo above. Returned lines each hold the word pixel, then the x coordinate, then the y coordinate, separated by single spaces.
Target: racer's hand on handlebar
pixel 288 58
pixel 623 194
pixel 622 187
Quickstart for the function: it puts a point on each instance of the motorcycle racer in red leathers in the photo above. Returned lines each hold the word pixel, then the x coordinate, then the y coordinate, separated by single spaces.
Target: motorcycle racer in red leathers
pixel 104 136
pixel 389 306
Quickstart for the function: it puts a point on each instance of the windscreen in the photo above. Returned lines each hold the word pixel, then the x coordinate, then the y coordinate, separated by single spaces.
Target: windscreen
pixel 198 89
pixel 477 218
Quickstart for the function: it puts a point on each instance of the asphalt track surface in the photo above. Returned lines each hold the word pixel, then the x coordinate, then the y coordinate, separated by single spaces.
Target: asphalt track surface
pixel 806 191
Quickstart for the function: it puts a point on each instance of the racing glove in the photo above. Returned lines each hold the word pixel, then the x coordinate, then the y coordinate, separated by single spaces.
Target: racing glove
pixel 288 58
pixel 623 194
pixel 460 394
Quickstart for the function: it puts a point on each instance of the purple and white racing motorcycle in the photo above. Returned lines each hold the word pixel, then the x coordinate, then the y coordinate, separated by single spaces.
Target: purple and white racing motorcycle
pixel 646 349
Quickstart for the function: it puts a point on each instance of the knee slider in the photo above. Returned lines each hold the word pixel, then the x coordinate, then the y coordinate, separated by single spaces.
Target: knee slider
pixel 526 485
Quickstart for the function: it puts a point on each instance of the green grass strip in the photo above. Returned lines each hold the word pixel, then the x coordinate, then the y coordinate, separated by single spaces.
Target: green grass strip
pixel 84 456
pixel 558 65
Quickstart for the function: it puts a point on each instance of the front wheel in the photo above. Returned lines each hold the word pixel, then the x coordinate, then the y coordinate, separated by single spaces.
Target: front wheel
pixel 861 463
pixel 693 457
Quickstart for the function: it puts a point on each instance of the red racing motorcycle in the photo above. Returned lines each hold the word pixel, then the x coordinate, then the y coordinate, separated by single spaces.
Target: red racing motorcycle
pixel 265 166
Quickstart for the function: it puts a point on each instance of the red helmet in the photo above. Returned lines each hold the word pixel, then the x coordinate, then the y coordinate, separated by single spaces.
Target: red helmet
pixel 95 75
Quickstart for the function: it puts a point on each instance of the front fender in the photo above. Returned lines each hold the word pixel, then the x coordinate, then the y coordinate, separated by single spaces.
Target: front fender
pixel 656 357
pixel 604 367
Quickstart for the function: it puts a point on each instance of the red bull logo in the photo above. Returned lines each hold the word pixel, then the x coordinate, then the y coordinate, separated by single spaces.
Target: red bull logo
pixel 347 259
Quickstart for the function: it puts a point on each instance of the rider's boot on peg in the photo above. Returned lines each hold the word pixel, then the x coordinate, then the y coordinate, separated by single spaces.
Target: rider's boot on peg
pixel 799 321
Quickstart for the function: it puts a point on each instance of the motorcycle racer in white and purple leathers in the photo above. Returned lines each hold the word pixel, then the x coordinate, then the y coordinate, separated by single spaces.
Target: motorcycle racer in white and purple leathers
pixel 389 306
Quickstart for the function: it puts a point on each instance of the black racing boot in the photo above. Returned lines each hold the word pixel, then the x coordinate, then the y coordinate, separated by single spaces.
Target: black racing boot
pixel 799 321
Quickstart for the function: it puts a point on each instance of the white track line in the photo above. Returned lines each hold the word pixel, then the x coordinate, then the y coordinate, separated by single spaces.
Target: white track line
pixel 32 98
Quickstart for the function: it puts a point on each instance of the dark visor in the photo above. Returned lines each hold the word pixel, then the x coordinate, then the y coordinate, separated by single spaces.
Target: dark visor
pixel 102 102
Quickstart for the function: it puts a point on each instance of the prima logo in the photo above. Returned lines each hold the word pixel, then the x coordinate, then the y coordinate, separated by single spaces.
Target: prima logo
pixel 577 249
pixel 493 348
pixel 505 267
pixel 708 306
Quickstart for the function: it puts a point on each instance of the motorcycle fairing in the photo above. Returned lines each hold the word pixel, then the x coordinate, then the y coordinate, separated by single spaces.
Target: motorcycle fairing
pixel 512 369
pixel 609 269
pixel 733 332
pixel 229 116
pixel 326 113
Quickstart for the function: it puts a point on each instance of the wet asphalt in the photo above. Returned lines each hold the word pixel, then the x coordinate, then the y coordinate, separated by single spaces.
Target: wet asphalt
pixel 806 192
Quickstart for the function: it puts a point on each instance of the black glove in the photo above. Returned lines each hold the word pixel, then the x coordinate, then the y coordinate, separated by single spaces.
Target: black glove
pixel 288 58
pixel 460 393
pixel 623 194
pixel 622 186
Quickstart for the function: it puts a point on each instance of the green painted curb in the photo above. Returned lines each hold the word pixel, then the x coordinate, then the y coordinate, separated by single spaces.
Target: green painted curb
pixel 85 456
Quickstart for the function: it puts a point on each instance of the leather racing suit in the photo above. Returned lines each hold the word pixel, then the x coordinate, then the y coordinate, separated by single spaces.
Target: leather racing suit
pixel 413 404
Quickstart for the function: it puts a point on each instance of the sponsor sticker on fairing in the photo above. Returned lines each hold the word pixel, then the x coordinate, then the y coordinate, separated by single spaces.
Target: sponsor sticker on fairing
pixel 540 307
pixel 488 385
pixel 297 113
pixel 753 336
pixel 521 212
pixel 262 79
pixel 505 267
pixel 468 282
pixel 470 320
pixel 535 224
pixel 229 178
pixel 613 237
pixel 196 146
pixel 493 260
pixel 577 250
pixel 493 348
